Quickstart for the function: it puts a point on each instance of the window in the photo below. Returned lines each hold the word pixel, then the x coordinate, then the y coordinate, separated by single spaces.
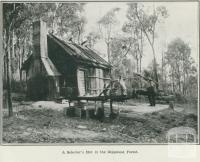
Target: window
pixel 96 79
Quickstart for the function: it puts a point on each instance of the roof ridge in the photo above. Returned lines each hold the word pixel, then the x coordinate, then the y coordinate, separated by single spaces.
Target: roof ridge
pixel 94 52
pixel 80 52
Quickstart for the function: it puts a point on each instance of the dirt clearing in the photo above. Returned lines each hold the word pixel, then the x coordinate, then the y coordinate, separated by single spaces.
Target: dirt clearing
pixel 45 123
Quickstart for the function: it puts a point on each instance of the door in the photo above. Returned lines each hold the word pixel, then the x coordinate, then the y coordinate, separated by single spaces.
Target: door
pixel 81 82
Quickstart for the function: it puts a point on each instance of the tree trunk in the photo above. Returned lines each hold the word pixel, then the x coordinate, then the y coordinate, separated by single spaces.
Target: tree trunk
pixel 173 86
pixel 140 72
pixel 8 66
pixel 137 63
pixel 162 73
pixel 21 56
pixel 155 67
pixel 12 56
pixel 141 52
pixel 5 71
pixel 79 36
pixel 1 59
pixel 19 65
pixel 140 65
pixel 179 79
pixel 183 84
pixel 108 51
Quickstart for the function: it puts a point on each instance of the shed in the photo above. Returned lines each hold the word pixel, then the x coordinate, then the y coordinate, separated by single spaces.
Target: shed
pixel 59 68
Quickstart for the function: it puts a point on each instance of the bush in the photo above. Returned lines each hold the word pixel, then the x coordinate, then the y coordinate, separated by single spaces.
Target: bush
pixel 180 98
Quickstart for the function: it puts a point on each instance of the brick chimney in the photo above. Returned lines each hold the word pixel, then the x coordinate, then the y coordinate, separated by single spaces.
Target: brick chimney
pixel 40 39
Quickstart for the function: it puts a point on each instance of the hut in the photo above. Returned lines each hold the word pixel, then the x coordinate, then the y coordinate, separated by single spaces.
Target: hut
pixel 62 68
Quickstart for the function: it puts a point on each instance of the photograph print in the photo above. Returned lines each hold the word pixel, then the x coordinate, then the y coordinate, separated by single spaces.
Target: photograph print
pixel 100 73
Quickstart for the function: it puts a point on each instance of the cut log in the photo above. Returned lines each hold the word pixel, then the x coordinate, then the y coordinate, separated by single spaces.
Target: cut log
pixel 136 117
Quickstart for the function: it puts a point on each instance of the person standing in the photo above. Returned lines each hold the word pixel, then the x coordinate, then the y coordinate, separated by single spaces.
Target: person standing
pixel 123 86
pixel 151 94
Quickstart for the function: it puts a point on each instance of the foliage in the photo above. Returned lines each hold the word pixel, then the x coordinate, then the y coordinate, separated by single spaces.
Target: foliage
pixel 109 18
pixel 138 18
pixel 181 67
pixel 17 32
pixel 92 38
pixel 121 48
pixel 106 26
pixel 18 18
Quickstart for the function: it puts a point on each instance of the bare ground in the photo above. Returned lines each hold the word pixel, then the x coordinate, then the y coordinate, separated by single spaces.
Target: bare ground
pixel 44 122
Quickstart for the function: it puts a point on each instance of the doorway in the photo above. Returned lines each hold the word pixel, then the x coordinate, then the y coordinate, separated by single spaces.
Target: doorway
pixel 81 82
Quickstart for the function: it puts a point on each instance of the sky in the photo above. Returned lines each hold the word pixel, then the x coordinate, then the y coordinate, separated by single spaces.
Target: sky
pixel 182 22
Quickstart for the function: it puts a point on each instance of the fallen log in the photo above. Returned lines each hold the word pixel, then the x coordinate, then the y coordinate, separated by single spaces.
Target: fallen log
pixel 135 117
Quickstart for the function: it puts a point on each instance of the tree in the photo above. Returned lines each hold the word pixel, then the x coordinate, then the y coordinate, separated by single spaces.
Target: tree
pixel 17 22
pixel 106 25
pixel 120 47
pixel 65 20
pixel 11 20
pixel 92 38
pixel 180 65
pixel 133 28
pixel 148 24
pixel 52 13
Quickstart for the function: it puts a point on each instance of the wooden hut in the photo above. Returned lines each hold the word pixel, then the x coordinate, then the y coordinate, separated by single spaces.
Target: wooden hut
pixel 59 68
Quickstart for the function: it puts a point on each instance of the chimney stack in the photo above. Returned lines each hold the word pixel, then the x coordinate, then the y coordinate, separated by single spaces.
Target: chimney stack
pixel 40 40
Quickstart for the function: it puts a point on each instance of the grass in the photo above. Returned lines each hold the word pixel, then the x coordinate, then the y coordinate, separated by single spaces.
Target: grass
pixel 31 125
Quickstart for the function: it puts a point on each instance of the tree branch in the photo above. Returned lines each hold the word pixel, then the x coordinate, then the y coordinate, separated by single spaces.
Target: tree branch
pixel 123 55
